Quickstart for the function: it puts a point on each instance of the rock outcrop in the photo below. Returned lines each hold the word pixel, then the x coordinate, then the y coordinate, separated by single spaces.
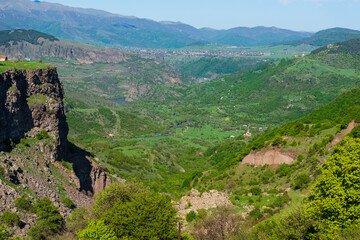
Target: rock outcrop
pixel 32 101
pixel 62 49
pixel 196 201
pixel 35 156
pixel 270 157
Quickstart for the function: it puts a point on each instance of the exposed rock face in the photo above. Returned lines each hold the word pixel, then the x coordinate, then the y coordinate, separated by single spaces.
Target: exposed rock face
pixel 196 201
pixel 62 49
pixel 338 137
pixel 31 101
pixel 99 178
pixel 270 157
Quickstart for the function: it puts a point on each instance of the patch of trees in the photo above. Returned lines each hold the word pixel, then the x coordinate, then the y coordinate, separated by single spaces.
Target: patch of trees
pixel 127 211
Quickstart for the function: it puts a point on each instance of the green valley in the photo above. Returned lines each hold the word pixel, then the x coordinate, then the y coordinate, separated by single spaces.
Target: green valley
pixel 246 133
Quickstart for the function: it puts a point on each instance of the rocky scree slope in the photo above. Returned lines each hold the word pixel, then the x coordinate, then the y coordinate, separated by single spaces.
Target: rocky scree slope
pixel 36 160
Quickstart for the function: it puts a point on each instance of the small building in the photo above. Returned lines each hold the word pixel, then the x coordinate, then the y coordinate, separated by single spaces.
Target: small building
pixel 3 58
pixel 248 133
pixel 27 59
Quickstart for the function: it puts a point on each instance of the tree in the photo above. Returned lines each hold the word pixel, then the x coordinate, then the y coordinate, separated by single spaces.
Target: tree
pixel 50 221
pixel 190 216
pixel 301 181
pixel 133 211
pixel 277 141
pixel 334 200
pixel 97 230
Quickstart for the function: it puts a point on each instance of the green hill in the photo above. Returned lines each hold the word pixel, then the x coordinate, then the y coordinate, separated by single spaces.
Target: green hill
pixel 345 55
pixel 30 36
pixel 327 36
pixel 316 140
pixel 273 93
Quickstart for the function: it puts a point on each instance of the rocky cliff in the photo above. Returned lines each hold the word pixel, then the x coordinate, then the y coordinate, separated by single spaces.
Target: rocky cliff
pixel 31 102
pixel 36 159
pixel 62 49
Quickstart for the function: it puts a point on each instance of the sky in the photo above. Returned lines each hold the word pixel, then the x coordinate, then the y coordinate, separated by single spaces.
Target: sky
pixel 299 15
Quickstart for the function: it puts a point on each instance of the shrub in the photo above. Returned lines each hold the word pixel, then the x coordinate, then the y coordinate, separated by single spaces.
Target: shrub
pixel 256 214
pixel 10 218
pixel 68 203
pixel 301 181
pixel 190 216
pixel 97 230
pixel 266 176
pixel 281 200
pixel 4 232
pixel 283 170
pixel 42 135
pixel 273 191
pixel 255 190
pixel 50 221
pixel 277 141
pixel 24 142
pixel 23 203
pixel 77 221
pixel 133 211
pixel 300 157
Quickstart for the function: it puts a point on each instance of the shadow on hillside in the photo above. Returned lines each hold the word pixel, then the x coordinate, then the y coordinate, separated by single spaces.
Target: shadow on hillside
pixel 82 167
pixel 15 115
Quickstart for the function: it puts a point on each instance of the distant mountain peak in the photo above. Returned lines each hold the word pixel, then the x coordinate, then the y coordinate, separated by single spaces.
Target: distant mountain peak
pixel 82 25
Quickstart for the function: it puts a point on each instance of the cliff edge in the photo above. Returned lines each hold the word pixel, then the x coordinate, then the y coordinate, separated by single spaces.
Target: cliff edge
pixel 36 159
pixel 31 101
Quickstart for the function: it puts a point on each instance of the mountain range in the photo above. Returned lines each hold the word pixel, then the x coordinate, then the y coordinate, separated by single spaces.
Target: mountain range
pixel 83 25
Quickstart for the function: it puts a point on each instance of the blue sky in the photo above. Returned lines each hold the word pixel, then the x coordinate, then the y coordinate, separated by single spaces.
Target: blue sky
pixel 306 15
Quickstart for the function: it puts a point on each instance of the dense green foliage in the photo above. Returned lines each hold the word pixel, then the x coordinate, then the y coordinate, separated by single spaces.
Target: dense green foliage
pixel 334 198
pixel 345 55
pixel 211 67
pixel 10 218
pixel 23 203
pixel 42 135
pixel 190 216
pixel 97 229
pixel 4 232
pixel 132 212
pixel 68 203
pixel 301 181
pixel 50 222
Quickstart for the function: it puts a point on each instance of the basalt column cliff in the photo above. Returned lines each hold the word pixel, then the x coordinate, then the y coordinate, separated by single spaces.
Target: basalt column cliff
pixel 36 159
pixel 31 102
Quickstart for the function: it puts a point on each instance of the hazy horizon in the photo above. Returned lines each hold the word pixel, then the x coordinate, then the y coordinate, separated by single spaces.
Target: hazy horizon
pixel 298 15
